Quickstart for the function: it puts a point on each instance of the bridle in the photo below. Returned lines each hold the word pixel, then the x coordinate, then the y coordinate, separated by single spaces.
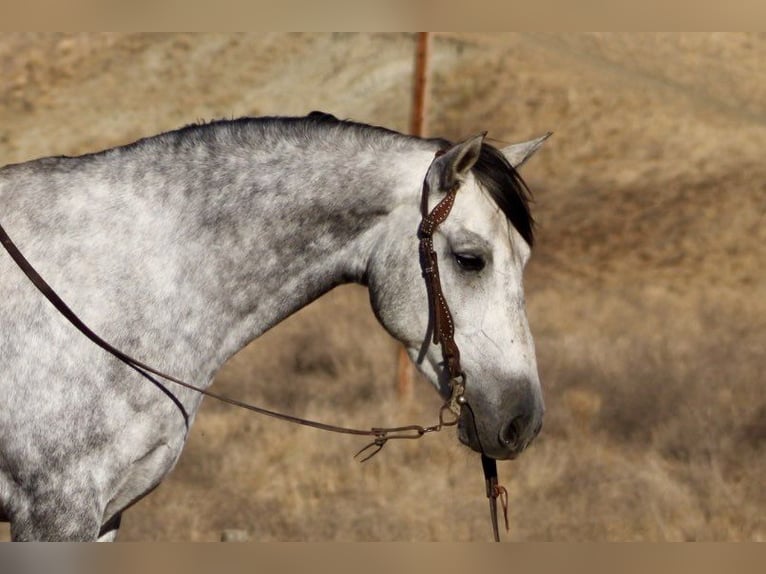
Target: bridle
pixel 440 321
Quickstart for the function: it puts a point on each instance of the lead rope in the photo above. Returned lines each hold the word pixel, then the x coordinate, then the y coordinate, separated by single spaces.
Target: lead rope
pixel 495 491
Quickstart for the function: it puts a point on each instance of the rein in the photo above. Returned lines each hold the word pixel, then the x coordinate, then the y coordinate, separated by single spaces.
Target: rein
pixel 440 321
pixel 381 435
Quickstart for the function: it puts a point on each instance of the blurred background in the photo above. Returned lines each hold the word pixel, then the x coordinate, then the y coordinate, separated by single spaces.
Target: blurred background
pixel 646 292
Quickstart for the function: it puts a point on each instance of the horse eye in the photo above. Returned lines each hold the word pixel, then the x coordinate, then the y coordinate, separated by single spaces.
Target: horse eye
pixel 469 262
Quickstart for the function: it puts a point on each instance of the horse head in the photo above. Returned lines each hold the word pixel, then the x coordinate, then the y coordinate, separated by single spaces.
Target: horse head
pixel 482 248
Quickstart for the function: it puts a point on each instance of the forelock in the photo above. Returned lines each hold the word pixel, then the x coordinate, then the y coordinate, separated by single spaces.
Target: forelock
pixel 507 189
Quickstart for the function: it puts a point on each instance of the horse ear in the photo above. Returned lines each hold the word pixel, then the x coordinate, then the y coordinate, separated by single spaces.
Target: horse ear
pixel 451 167
pixel 517 154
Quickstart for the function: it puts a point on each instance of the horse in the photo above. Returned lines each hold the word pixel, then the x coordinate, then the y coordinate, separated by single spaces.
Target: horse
pixel 183 247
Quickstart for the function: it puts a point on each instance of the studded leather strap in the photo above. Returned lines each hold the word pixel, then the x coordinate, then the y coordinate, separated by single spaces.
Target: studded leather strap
pixel 440 316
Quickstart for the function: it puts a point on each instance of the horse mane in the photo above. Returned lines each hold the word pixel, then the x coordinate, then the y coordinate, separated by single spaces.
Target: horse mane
pixel 492 170
pixel 507 188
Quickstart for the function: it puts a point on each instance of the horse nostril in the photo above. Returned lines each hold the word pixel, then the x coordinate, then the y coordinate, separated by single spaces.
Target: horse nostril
pixel 510 434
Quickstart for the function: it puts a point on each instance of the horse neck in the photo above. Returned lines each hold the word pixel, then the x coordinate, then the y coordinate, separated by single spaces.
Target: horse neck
pixel 283 228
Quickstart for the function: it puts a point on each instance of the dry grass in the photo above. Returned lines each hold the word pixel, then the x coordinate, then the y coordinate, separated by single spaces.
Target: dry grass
pixel 640 443
pixel 646 293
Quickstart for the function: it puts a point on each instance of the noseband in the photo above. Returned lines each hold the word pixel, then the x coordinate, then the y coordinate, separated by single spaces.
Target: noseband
pixel 440 322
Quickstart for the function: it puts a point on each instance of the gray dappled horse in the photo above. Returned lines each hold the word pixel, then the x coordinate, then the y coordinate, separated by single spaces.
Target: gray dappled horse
pixel 182 248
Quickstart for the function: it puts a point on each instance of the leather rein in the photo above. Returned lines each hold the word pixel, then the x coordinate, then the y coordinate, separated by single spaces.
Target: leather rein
pixel 440 321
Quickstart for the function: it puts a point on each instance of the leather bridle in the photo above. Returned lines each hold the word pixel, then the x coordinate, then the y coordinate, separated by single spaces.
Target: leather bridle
pixel 440 321
pixel 443 327
pixel 440 318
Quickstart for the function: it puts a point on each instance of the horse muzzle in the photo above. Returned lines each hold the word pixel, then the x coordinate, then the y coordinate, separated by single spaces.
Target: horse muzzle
pixel 504 435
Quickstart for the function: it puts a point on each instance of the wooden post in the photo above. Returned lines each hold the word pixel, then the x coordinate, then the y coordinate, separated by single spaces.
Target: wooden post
pixel 420 100
pixel 418 127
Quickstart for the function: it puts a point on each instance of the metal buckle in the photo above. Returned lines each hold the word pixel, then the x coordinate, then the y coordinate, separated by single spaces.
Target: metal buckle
pixel 453 405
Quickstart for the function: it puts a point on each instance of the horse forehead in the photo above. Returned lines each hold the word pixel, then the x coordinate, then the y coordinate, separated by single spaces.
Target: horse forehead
pixel 475 210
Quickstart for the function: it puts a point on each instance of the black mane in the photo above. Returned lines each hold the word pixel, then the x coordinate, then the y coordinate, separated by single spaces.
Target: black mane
pixel 492 170
pixel 506 187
